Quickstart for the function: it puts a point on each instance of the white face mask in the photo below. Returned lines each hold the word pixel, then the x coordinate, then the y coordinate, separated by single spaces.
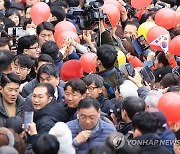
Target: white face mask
pixel 31 31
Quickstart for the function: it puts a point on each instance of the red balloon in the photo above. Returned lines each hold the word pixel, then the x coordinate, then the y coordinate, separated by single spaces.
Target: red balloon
pixel 23 1
pixel 64 26
pixel 64 35
pixel 169 103
pixel 40 12
pixel 154 33
pixel 88 61
pixel 166 18
pixel 177 18
pixel 115 3
pixel 112 12
pixel 140 3
pixel 174 46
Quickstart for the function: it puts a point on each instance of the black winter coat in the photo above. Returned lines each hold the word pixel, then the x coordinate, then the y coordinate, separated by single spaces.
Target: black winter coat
pixel 46 117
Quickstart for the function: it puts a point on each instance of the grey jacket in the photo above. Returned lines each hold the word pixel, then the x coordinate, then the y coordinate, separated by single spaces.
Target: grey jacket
pixel 3 112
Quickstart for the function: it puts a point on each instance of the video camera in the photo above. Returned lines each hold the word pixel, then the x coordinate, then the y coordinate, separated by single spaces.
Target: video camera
pixel 90 14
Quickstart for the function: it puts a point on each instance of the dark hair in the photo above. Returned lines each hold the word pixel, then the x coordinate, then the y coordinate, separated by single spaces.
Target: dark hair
pixel 58 12
pixel 89 102
pixel 13 11
pixel 44 58
pixel 7 4
pixel 46 144
pixel 49 87
pixel 49 69
pixel 107 55
pixel 162 59
pixel 73 3
pixel 8 23
pixel 15 123
pixel 178 136
pixel 25 42
pixel 99 149
pixel 173 89
pixel 4 41
pixel 9 78
pixel 169 79
pixel 171 2
pixel 24 61
pixel 76 85
pixel 6 58
pixel 145 122
pixel 50 48
pixel 27 21
pixel 132 105
pixel 134 23
pixel 97 79
pixel 61 3
pixel 44 26
pixel 151 14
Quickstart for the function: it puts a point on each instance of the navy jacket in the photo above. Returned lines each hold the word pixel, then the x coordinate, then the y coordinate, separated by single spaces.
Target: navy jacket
pixel 28 106
pixel 105 104
pixel 152 147
pixel 46 117
pixel 169 136
pixel 99 138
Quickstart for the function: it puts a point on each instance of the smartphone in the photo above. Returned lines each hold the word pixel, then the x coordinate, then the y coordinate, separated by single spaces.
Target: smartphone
pixel 140 45
pixel 28 118
pixel 130 69
pixel 15 31
pixel 148 76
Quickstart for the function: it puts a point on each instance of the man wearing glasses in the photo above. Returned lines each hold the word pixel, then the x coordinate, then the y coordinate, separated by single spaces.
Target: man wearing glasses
pixel 95 87
pixel 88 129
pixel 29 45
pixel 22 66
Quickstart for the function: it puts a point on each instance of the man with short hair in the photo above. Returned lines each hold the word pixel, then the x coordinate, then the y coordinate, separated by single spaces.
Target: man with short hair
pixel 48 73
pixel 45 32
pixel 106 57
pixel 6 59
pixel 145 133
pixel 22 66
pixel 42 59
pixel 29 45
pixel 88 129
pixel 130 106
pixel 95 85
pixel 75 90
pixel 47 110
pixel 11 103
pixel 130 30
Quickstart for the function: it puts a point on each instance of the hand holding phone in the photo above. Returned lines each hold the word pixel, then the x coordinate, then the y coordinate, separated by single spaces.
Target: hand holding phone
pixel 28 118
pixel 130 69
pixel 148 76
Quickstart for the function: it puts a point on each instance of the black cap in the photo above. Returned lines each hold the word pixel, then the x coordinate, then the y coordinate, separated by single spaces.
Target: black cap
pixel 18 6
pixel 116 109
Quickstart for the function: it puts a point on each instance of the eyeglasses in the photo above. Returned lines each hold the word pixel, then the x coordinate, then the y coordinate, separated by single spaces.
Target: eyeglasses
pixel 91 89
pixel 36 48
pixel 21 69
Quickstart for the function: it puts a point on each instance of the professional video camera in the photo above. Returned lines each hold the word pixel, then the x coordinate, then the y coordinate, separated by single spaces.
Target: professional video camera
pixel 89 15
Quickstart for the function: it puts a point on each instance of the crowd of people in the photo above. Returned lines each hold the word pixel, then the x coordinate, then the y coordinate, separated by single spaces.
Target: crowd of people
pixel 50 105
